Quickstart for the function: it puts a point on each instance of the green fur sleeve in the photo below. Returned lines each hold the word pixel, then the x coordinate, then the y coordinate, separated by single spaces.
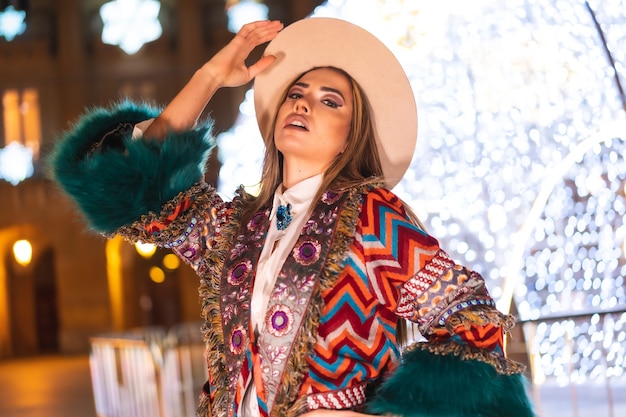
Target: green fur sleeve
pixel 431 382
pixel 114 179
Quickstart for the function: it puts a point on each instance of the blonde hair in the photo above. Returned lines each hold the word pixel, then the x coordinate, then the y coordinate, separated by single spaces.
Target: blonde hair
pixel 358 164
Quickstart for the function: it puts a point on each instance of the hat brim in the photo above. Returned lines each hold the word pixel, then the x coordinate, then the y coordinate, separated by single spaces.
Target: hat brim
pixel 321 41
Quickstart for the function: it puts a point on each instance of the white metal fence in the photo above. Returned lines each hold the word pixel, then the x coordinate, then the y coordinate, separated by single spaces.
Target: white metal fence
pixel 149 372
pixel 578 363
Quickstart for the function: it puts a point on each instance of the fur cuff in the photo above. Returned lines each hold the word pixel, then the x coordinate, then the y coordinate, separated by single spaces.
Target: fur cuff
pixel 116 186
pixel 437 385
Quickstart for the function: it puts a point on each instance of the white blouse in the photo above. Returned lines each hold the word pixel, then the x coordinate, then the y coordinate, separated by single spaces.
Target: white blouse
pixel 278 245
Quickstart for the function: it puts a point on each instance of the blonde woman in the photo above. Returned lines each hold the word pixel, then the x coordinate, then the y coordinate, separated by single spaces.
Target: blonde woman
pixel 304 285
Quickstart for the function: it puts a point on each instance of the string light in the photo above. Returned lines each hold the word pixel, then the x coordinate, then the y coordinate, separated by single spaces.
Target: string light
pixel 507 91
pixel 146 250
pixel 241 12
pixel 16 163
pixel 130 23
pixel 23 252
pixel 171 261
pixel 12 23
pixel 157 275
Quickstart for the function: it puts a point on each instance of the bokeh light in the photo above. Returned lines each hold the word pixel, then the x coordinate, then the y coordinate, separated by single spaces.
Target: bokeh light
pixel 519 168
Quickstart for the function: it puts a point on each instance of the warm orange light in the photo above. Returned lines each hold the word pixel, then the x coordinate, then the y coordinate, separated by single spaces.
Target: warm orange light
pixel 12 117
pixel 31 118
pixel 23 252
pixel 171 261
pixel 145 249
pixel 157 275
pixel 115 277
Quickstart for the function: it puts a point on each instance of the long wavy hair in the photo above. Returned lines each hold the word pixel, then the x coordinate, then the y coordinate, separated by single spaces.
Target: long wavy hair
pixel 358 164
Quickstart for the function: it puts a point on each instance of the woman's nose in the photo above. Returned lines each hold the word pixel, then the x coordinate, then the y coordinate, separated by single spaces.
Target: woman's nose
pixel 301 105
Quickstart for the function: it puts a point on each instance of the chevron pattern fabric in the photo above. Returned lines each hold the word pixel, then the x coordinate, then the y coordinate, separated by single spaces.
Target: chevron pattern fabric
pixel 394 269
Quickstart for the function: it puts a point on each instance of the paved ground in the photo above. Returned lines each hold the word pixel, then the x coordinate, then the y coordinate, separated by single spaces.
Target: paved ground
pixel 60 386
pixel 593 399
pixel 55 386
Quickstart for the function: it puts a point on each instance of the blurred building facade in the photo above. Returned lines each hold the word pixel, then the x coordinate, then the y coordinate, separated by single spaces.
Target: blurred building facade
pixel 520 169
pixel 79 284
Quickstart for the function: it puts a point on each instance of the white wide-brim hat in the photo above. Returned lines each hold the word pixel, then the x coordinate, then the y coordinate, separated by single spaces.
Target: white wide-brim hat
pixel 319 42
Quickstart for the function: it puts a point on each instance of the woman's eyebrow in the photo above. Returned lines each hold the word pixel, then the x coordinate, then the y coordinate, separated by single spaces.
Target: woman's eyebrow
pixel 329 89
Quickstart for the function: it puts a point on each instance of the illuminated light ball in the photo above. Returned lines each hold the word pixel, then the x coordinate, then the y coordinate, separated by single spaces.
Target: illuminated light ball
pixel 23 252
pixel 171 261
pixel 145 249
pixel 157 275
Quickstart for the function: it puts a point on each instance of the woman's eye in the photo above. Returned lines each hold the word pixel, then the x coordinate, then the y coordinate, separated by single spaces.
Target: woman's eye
pixel 330 103
pixel 294 96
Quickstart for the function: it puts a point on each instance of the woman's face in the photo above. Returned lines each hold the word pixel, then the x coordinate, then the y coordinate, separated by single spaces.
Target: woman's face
pixel 313 123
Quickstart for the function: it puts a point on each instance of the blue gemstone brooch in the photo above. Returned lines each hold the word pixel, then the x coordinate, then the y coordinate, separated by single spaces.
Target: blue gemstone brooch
pixel 283 216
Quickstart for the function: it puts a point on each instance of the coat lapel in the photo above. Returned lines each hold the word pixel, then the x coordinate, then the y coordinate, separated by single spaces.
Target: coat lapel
pixel 289 329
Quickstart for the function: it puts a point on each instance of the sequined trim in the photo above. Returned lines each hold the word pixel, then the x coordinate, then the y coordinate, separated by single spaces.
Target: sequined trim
pixel 340 399
pixel 184 236
pixel 462 306
pixel 174 219
pixel 420 283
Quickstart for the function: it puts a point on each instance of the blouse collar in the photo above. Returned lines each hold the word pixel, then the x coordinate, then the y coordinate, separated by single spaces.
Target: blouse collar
pixel 299 195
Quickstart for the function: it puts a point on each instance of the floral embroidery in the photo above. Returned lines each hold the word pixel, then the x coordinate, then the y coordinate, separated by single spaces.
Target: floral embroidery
pixel 305 283
pixel 279 320
pixel 234 302
pixel 189 252
pixel 257 220
pixel 233 378
pixel 330 197
pixel 281 290
pixel 274 356
pixel 239 273
pixel 256 225
pixel 328 218
pixel 237 250
pixel 237 340
pixel 307 251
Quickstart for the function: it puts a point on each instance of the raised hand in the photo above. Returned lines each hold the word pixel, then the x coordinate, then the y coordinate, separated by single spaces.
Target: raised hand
pixel 228 66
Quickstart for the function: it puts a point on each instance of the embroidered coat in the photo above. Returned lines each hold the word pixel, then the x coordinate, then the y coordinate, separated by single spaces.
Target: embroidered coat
pixel 328 338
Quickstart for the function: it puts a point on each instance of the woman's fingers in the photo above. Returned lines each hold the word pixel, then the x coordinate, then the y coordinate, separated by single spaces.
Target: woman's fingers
pixel 249 37
pixel 260 65
pixel 262 28
pixel 229 64
pixel 257 33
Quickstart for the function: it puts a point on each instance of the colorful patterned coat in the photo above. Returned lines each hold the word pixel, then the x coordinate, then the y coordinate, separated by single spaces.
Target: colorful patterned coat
pixel 329 335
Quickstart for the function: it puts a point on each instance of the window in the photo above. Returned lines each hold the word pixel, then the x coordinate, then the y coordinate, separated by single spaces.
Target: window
pixel 22 119
pixel 20 136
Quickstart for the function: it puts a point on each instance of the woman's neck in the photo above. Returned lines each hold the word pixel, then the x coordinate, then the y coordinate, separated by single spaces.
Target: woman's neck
pixel 294 172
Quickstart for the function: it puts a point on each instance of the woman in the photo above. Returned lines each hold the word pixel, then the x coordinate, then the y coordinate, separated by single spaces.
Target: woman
pixel 302 286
